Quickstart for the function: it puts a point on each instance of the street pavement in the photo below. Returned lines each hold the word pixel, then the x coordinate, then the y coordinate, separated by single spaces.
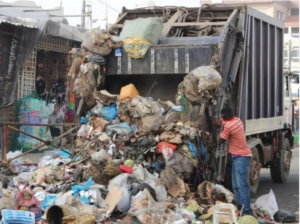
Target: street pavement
pixel 287 194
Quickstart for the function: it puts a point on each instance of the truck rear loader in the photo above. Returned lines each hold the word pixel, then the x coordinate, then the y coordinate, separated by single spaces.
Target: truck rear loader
pixel 246 47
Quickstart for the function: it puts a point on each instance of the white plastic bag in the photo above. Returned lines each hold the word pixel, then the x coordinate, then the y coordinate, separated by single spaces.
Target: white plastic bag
pixel 122 181
pixel 82 132
pixel 100 156
pixel 167 153
pixel 14 154
pixel 124 203
pixel 187 213
pixel 25 177
pixel 161 193
pixel 268 202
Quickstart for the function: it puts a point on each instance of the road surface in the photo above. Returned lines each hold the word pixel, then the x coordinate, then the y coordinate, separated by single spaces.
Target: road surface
pixel 287 194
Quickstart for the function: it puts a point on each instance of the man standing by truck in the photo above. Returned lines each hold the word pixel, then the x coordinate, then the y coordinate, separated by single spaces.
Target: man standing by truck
pixel 233 131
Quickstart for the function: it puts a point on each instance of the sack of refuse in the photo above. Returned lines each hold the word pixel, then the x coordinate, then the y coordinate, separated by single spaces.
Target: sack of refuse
pixel 201 79
pixel 267 202
pixel 136 42
pixel 120 129
pixel 103 49
pixel 153 121
pixel 284 216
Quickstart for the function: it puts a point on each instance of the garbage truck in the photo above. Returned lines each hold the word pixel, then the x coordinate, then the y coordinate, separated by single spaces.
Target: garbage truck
pixel 246 47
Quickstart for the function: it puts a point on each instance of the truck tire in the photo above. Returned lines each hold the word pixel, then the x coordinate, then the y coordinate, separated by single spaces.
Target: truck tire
pixel 254 171
pixel 280 168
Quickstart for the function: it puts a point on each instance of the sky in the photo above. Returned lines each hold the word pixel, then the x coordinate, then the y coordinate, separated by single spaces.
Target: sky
pixel 73 7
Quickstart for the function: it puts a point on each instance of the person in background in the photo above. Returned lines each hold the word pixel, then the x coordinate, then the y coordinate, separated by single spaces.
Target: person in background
pixel 41 87
pixel 56 117
pixel 60 90
pixel 52 93
pixel 233 131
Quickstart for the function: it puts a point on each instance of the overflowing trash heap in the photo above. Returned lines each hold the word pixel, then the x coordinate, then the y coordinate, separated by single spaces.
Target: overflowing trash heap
pixel 135 160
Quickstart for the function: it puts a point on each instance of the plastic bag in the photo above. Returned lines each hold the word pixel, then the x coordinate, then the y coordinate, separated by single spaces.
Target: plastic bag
pixel 124 203
pixel 160 146
pixel 143 186
pixel 84 199
pixel 229 195
pixel 161 193
pixel 10 155
pixel 145 208
pixel 284 216
pixel 83 130
pixel 121 129
pixel 167 153
pixel 95 110
pixel 268 202
pixel 193 149
pixel 142 175
pixel 137 41
pixel 108 113
pixel 25 177
pixel 149 28
pixel 123 180
pixel 100 156
pixel 48 201
pixel 207 77
pixel 186 213
pixel 77 188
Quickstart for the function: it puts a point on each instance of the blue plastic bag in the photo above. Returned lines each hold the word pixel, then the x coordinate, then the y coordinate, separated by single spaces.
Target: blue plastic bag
pixel 64 154
pixel 193 149
pixel 85 187
pixel 84 199
pixel 48 201
pixel 109 113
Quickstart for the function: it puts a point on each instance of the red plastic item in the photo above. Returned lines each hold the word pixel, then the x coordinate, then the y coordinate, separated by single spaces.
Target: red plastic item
pixel 160 146
pixel 126 169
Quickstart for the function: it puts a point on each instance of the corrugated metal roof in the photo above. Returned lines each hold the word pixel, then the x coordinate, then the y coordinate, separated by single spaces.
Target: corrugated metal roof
pixel 24 23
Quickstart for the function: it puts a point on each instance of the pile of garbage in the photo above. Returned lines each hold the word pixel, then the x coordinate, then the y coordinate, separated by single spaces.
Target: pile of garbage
pixel 135 160
pixel 131 164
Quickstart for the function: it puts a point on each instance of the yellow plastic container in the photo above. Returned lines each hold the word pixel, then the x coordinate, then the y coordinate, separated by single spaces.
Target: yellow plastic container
pixel 128 92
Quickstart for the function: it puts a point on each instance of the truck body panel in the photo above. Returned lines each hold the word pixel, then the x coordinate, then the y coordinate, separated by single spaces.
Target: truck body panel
pixel 255 67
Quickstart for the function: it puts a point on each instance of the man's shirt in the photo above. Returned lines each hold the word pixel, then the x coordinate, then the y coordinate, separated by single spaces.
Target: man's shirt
pixel 234 133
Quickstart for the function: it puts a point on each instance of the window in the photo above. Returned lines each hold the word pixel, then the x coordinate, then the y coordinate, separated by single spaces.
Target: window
pixel 280 15
pixel 294 12
pixel 286 30
pixel 295 54
pixel 295 32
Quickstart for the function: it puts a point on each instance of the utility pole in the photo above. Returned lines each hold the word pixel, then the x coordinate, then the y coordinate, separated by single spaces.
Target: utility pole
pixel 83 13
pixel 89 13
pixel 106 25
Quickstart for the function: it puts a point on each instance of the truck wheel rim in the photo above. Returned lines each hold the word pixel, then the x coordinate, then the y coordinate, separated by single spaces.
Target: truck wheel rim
pixel 255 169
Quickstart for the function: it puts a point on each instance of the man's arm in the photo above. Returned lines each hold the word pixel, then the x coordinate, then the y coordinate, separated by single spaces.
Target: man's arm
pixel 224 135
